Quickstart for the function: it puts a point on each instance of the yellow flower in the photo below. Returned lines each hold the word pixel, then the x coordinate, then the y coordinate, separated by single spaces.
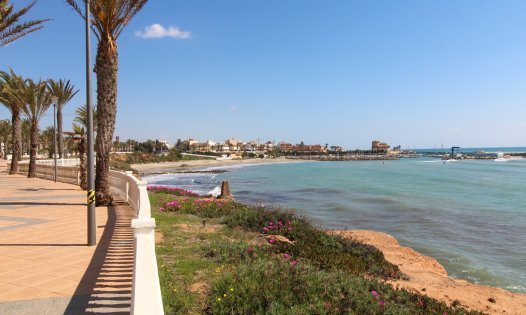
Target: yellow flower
pixel 219 299
pixel 175 289
pixel 224 295
pixel 231 289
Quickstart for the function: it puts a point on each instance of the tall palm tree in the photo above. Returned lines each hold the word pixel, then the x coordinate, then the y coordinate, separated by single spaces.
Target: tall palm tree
pixel 63 90
pixel 10 28
pixel 11 90
pixel 109 17
pixel 38 100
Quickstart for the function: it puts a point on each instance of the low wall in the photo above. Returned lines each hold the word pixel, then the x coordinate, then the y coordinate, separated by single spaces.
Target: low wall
pixel 146 288
pixel 65 174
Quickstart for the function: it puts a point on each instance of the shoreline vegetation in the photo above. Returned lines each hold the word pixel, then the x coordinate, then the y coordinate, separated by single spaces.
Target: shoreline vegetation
pixel 217 256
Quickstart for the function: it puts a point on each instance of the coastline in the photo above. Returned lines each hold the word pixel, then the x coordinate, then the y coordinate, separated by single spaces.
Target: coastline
pixel 192 165
pixel 427 276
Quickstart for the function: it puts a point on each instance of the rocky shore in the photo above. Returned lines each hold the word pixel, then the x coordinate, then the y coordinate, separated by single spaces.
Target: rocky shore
pixel 427 276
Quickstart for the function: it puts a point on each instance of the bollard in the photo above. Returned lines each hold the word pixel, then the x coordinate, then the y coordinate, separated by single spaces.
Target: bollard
pixel 225 190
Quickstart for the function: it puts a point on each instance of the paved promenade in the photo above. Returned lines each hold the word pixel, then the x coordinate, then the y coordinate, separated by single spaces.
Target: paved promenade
pixel 45 265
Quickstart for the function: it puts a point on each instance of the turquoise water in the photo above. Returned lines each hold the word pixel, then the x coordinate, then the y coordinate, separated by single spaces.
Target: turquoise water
pixel 469 215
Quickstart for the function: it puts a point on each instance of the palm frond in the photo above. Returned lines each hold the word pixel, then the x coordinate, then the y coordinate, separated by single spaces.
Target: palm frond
pixel 10 30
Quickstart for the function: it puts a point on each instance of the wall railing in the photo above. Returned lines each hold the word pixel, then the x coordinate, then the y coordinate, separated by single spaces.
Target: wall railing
pixel 146 289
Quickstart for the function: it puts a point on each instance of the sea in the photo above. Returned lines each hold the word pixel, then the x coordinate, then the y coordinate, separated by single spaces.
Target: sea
pixel 468 214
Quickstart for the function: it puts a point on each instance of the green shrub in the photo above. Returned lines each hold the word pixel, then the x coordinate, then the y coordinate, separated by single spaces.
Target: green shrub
pixel 325 251
pixel 277 286
pixel 203 207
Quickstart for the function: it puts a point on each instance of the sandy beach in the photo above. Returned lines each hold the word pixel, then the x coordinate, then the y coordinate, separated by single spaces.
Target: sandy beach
pixel 428 277
pixel 165 167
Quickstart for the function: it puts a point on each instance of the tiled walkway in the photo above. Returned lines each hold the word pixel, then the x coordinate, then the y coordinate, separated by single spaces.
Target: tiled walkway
pixel 45 265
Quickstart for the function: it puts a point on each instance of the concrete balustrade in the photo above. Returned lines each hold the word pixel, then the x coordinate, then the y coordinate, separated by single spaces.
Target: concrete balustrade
pixel 146 288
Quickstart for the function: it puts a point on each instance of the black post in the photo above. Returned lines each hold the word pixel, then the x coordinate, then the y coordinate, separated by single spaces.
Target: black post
pixel 92 227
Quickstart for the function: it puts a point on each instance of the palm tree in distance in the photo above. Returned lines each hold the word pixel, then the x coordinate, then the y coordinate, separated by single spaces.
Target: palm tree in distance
pixel 78 135
pixel 11 88
pixel 5 131
pixel 109 18
pixel 46 137
pixel 38 100
pixel 63 90
pixel 10 28
pixel 82 117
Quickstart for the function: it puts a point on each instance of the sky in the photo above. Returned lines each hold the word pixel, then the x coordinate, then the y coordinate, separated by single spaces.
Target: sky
pixel 419 74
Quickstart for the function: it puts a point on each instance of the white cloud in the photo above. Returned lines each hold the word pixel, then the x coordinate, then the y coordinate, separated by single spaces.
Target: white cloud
pixel 159 31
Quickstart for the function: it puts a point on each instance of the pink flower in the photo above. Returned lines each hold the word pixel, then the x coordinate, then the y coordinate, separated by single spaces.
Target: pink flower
pixel 162 209
pixel 270 223
pixel 290 229
pixel 280 223
pixel 374 293
pixel 289 223
pixel 265 229
pixel 250 250
pixel 381 303
pixel 294 263
pixel 271 240
pixel 287 256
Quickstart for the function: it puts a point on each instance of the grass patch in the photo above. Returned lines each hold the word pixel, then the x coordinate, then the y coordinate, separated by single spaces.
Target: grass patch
pixel 222 257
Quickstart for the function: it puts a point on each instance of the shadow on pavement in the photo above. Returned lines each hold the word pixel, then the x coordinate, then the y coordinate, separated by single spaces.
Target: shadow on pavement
pixel 106 286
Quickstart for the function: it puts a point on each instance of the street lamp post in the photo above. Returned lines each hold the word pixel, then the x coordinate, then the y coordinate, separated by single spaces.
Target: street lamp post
pixel 54 99
pixel 92 231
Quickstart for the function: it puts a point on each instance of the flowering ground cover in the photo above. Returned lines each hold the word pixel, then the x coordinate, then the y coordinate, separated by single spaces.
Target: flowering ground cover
pixel 221 257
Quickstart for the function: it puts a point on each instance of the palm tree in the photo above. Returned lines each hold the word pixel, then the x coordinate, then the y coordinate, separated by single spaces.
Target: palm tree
pixel 47 138
pixel 11 89
pixel 38 100
pixel 25 139
pixel 63 90
pixel 82 116
pixel 10 28
pixel 5 131
pixel 109 18
pixel 78 136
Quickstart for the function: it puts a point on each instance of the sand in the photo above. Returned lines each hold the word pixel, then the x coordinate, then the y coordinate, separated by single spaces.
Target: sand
pixel 428 277
pixel 156 168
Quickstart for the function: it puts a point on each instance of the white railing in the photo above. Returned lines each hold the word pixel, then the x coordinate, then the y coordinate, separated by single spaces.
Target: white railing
pixel 146 289
pixel 60 162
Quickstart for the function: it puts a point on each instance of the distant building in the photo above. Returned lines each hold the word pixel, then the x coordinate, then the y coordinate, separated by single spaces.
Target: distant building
pixel 378 146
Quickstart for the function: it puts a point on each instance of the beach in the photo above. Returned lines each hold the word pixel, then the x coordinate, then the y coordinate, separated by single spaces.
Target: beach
pixel 181 166
pixel 427 276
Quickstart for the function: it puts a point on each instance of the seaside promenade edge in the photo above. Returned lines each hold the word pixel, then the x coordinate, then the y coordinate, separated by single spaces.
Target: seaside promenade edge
pixel 46 265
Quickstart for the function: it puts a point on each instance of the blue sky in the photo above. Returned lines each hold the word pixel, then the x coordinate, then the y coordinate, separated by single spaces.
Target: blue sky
pixel 409 72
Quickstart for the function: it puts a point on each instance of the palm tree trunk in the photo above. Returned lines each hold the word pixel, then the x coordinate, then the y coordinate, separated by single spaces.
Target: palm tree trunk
pixel 106 66
pixel 17 135
pixel 82 156
pixel 60 139
pixel 33 150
